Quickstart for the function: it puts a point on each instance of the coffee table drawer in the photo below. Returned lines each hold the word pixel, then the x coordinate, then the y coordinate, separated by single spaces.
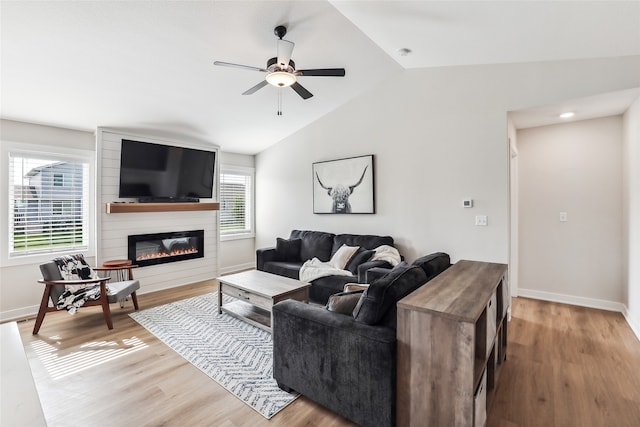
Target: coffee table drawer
pixel 257 300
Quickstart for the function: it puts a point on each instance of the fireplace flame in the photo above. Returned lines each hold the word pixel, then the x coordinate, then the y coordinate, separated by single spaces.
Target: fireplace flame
pixel 166 254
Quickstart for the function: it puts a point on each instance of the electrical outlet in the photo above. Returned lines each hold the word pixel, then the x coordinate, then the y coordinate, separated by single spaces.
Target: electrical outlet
pixel 481 220
pixel 563 217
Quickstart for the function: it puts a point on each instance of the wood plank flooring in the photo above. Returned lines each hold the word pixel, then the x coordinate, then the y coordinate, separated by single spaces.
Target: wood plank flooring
pixel 567 366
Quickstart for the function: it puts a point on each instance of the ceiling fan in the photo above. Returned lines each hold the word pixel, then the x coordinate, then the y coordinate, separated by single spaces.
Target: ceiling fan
pixel 281 70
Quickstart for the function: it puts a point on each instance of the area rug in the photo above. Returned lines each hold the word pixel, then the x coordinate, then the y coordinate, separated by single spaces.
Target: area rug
pixel 235 354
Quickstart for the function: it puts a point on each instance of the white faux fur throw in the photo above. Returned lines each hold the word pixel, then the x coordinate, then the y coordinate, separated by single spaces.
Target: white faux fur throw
pixel 314 269
pixel 387 253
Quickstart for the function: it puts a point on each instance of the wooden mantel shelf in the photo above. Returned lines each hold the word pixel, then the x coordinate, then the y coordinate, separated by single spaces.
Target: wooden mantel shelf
pixel 161 207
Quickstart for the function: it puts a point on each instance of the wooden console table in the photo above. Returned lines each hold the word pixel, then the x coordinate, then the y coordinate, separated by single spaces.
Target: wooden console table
pixel 452 343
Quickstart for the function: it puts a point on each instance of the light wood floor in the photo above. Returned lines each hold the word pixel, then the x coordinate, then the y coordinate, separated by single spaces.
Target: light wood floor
pixel 567 366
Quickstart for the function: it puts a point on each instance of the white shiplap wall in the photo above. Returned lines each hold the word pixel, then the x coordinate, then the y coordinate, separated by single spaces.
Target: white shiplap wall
pixel 113 229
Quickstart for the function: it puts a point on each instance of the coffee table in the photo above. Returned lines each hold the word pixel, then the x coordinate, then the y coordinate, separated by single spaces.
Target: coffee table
pixel 255 292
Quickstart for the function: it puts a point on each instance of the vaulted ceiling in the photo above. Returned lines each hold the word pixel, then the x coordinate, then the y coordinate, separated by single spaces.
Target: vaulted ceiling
pixel 148 65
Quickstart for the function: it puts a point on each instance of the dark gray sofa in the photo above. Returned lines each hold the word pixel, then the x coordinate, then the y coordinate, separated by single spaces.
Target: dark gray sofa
pixel 286 258
pixel 347 362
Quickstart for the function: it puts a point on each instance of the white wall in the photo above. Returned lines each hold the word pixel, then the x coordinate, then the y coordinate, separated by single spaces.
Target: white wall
pixel 240 254
pixel 439 135
pixel 574 168
pixel 20 294
pixel 631 209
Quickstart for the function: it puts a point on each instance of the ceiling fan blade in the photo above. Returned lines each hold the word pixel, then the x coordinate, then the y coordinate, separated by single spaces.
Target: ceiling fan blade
pixel 255 88
pixel 285 48
pixel 300 90
pixel 242 67
pixel 328 72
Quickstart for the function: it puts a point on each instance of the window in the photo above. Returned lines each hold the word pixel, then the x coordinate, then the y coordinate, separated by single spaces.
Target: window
pixel 58 179
pixel 236 202
pixel 48 203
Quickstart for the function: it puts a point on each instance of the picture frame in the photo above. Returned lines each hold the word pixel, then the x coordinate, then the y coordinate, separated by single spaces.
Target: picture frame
pixel 344 186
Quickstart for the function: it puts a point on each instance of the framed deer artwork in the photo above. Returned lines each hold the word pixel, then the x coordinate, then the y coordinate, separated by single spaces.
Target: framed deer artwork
pixel 344 186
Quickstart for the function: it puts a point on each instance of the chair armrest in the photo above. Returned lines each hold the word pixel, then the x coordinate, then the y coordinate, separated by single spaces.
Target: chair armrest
pixel 264 255
pixel 365 266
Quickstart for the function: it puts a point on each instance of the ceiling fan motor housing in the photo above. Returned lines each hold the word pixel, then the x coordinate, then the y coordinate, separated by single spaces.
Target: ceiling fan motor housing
pixel 272 65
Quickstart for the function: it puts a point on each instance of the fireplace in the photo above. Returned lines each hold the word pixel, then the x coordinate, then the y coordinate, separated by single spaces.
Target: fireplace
pixel 160 248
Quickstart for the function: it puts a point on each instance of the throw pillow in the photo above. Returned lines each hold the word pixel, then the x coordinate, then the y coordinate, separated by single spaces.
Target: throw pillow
pixel 341 257
pixel 74 267
pixel 384 293
pixel 358 258
pixel 348 287
pixel 344 302
pixel 288 250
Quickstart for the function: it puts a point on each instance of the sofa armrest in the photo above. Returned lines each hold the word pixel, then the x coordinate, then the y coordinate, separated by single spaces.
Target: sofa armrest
pixel 375 273
pixel 347 366
pixel 264 255
pixel 365 266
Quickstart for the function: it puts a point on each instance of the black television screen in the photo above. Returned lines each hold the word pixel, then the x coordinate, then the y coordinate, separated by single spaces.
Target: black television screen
pixel 156 172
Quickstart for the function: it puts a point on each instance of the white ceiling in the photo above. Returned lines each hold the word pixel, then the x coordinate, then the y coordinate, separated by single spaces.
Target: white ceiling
pixel 603 105
pixel 148 65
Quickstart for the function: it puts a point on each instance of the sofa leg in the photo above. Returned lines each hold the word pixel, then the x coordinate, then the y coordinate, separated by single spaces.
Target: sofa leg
pixel 285 388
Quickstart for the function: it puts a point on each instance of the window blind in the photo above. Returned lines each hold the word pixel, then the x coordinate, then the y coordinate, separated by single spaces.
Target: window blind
pixel 236 204
pixel 48 204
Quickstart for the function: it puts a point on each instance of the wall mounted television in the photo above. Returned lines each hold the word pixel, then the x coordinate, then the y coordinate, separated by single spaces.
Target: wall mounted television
pixel 165 173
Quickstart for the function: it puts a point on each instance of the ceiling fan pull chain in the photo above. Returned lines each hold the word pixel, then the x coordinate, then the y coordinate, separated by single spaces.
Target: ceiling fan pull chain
pixel 279 102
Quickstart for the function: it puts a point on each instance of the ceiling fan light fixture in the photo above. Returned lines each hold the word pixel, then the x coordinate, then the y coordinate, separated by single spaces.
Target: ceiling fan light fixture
pixel 281 78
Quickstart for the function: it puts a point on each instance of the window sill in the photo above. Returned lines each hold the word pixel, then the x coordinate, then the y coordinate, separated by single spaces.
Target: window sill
pixel 226 237
pixel 34 259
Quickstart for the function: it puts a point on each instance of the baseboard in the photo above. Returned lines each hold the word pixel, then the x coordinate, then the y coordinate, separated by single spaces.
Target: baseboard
pixel 585 302
pixel 237 268
pixel 19 313
pixel 573 300
pixel 634 324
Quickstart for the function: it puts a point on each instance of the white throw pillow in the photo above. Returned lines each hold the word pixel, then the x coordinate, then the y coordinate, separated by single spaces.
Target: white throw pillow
pixel 342 256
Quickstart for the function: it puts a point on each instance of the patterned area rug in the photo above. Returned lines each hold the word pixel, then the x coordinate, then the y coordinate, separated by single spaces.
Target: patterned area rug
pixel 235 354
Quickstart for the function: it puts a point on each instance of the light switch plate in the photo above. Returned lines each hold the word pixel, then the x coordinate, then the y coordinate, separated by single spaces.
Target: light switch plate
pixel 563 217
pixel 481 220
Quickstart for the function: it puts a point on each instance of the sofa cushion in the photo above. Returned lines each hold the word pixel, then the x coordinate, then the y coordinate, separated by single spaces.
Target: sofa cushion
pixel 288 250
pixel 342 256
pixel 358 258
pixel 314 244
pixel 344 302
pixel 363 240
pixel 383 293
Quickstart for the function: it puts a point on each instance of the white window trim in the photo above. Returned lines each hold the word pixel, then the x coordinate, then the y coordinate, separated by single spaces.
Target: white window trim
pixel 243 171
pixel 63 153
